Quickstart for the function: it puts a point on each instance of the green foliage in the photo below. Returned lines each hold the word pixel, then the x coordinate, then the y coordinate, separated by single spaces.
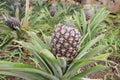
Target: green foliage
pixel 9 8
pixel 92 28
pixel 95 45
pixel 112 39
pixel 5 37
pixel 44 21
pixel 49 66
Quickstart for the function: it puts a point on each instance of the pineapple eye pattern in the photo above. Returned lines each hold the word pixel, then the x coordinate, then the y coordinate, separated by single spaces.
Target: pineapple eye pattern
pixel 65 41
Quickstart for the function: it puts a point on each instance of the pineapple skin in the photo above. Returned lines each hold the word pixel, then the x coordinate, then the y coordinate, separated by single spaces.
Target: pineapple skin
pixel 65 41
pixel 12 23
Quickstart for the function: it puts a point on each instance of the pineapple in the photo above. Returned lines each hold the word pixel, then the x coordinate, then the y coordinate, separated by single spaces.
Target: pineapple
pixel 11 22
pixel 65 41
pixel 17 5
pixel 88 11
pixel 52 10
pixel 88 14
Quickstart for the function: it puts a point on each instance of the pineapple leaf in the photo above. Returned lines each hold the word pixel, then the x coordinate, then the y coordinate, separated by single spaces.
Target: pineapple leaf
pixel 91 27
pixel 77 64
pixel 35 51
pixel 96 20
pixel 83 50
pixel 52 62
pixel 37 41
pixel 47 39
pixel 73 68
pixel 89 71
pixel 24 75
pixel 42 63
pixel 101 57
pixel 84 22
pixel 27 72
pixel 76 16
pixel 97 50
pixel 44 56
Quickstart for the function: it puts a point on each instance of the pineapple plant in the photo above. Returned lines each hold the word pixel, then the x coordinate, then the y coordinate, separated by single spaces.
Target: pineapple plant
pixel 54 52
pixel 52 68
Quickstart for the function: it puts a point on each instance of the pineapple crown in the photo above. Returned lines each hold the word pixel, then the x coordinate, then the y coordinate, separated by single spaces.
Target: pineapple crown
pixel 69 23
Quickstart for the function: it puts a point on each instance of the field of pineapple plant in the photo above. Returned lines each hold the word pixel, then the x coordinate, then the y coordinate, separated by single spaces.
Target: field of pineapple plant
pixel 59 40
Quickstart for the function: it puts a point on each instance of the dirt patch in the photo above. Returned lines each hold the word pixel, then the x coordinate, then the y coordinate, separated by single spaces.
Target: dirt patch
pixel 112 73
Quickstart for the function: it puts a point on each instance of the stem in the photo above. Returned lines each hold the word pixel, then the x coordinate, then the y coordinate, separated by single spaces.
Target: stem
pixel 17 13
pixel 26 12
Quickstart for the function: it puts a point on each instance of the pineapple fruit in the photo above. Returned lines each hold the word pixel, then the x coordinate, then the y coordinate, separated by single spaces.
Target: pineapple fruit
pixel 11 22
pixel 88 14
pixel 52 10
pixel 88 11
pixel 17 5
pixel 65 41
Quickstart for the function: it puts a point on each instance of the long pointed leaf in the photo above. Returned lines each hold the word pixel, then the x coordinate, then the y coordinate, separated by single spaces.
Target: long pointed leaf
pixel 37 41
pixel 97 50
pixel 75 66
pixel 52 61
pixel 88 45
pixel 89 71
pixel 17 67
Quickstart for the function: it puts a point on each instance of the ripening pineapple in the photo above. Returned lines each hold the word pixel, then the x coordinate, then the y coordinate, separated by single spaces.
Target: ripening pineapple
pixel 52 10
pixel 17 5
pixel 65 41
pixel 88 14
pixel 11 22
pixel 88 11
